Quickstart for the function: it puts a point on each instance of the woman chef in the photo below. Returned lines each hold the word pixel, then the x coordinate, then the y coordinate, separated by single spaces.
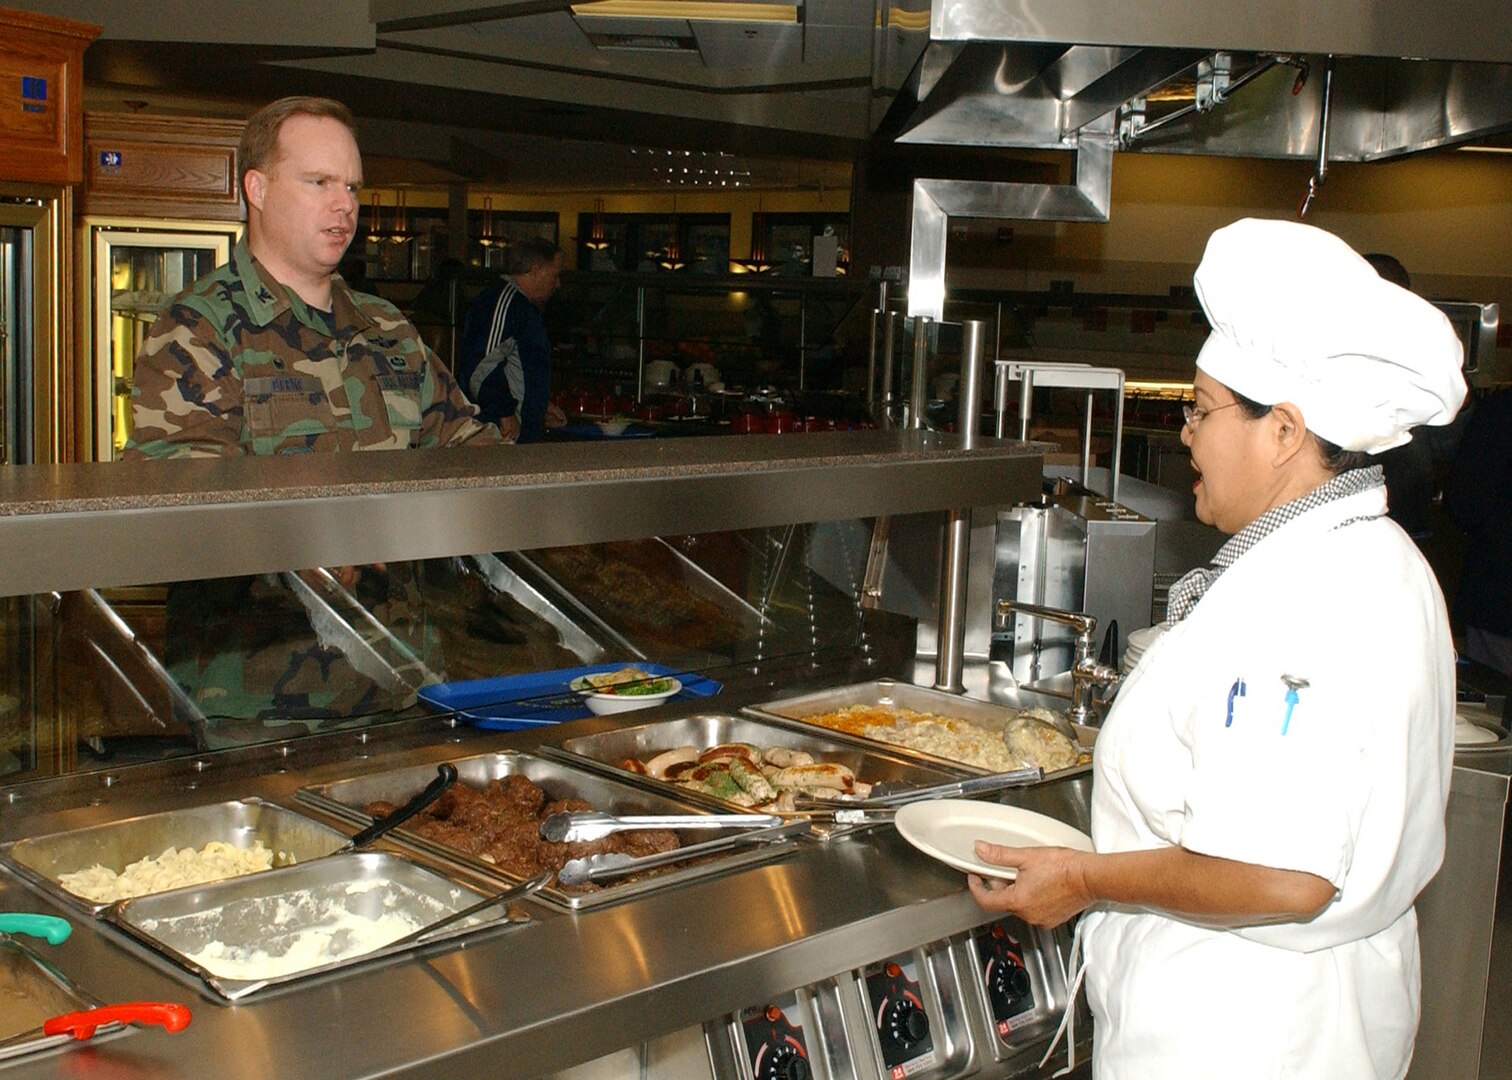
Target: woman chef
pixel 1270 786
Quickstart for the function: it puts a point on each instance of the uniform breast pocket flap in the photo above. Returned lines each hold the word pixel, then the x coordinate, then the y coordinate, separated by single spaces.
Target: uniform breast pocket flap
pixel 277 406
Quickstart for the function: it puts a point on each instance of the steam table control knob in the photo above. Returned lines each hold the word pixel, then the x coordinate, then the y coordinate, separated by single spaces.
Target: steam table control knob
pixel 1010 982
pixel 794 1068
pixel 907 1023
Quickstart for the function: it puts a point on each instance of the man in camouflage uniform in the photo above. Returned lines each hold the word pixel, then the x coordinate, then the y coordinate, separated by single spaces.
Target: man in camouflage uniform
pixel 273 354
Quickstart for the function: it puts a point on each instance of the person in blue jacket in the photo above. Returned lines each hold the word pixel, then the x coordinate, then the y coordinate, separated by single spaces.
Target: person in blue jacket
pixel 504 364
pixel 1478 496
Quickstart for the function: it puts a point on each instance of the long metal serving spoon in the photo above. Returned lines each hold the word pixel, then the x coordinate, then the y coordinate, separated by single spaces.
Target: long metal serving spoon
pixel 514 892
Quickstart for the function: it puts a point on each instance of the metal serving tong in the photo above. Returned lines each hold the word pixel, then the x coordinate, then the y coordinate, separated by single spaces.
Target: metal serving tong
pixel 514 892
pixel 615 864
pixel 83 1023
pixel 578 825
pixel 878 807
pixel 50 928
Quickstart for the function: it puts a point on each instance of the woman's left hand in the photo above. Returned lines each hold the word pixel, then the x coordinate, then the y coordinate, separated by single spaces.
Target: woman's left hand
pixel 1050 887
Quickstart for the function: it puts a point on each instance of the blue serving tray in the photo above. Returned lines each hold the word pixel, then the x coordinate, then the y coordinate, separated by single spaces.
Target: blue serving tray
pixel 517 702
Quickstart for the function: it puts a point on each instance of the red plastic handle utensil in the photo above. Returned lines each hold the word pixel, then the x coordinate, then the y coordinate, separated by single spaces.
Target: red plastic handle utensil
pixel 81 1025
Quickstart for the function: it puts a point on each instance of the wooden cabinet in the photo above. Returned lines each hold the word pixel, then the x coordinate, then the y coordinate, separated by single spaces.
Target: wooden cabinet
pixel 41 97
pixel 167 167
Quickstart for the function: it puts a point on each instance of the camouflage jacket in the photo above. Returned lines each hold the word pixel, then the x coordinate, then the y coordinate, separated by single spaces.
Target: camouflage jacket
pixel 238 363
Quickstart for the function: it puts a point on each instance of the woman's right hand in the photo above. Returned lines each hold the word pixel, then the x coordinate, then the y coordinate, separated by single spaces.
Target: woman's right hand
pixel 1050 887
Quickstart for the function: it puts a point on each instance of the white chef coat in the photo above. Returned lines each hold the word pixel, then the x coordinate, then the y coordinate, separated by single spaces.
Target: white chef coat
pixel 1353 791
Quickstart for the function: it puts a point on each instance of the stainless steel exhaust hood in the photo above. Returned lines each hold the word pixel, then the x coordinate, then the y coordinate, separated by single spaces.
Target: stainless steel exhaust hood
pixel 1357 81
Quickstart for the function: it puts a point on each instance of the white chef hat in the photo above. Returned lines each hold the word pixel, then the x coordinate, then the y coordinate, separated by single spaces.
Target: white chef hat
pixel 1298 316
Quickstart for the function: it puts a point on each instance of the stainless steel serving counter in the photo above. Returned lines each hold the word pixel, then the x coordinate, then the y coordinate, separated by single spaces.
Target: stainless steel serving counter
pixel 126 523
pixel 565 989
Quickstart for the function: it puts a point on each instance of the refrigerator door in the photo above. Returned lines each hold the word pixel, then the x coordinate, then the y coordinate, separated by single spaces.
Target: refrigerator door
pixel 34 392
pixel 135 270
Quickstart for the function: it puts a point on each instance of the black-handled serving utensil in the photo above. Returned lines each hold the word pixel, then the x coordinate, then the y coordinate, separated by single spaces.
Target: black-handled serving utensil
pixel 446 776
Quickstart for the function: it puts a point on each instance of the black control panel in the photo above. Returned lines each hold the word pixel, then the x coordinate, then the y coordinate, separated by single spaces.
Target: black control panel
pixel 1010 991
pixel 774 1043
pixel 900 1016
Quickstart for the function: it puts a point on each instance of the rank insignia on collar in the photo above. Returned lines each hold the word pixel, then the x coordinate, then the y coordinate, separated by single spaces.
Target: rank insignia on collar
pixel 263 293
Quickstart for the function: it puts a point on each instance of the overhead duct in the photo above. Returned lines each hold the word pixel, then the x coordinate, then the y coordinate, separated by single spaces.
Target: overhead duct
pixel 935 202
pixel 1156 78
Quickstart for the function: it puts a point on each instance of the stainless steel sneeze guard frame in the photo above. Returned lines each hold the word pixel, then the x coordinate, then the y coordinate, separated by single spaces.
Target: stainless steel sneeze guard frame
pixel 126 523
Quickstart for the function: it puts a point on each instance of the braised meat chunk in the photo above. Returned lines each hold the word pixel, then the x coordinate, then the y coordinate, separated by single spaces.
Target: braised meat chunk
pixel 501 823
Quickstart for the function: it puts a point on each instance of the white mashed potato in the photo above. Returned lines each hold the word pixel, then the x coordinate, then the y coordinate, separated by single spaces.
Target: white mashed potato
pixel 173 869
pixel 338 935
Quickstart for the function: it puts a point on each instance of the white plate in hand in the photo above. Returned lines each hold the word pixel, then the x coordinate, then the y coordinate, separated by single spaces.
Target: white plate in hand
pixel 948 829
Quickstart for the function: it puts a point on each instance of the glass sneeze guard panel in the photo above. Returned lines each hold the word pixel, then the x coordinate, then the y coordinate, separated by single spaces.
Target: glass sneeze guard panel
pixel 100 678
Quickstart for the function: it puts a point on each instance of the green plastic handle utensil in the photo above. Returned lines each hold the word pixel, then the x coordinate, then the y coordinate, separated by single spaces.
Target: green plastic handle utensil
pixel 54 929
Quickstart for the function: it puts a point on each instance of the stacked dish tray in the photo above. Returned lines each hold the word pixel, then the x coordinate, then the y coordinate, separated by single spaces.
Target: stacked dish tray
pixel 793 712
pixel 608 751
pixel 347 799
pixel 257 919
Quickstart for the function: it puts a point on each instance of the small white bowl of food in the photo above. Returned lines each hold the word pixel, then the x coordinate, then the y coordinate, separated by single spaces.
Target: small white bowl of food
pixel 624 690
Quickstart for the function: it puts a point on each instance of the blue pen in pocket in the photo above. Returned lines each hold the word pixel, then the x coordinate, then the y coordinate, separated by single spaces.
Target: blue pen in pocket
pixel 1237 690
pixel 1293 684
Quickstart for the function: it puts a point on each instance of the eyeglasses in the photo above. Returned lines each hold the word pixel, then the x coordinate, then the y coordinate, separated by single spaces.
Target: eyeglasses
pixel 1193 415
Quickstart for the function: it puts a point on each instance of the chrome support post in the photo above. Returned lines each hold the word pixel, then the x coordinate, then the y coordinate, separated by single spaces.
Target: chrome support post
pixel 950 622
pixel 878 312
pixel 918 395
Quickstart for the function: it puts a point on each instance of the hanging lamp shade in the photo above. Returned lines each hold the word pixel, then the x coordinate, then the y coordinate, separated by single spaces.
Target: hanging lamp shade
pixel 758 262
pixel 670 257
pixel 488 239
pixel 597 240
pixel 375 217
pixel 401 231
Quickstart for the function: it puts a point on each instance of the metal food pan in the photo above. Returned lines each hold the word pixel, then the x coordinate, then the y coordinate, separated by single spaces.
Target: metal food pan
pixel 42 860
pixel 31 992
pixel 891 693
pixel 606 750
pixel 287 919
pixel 346 799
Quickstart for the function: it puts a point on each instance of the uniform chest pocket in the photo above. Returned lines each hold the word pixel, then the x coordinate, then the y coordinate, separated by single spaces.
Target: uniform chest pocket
pixel 286 406
pixel 402 402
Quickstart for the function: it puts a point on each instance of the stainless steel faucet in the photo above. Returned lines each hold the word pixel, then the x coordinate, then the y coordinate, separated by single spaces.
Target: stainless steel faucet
pixel 1087 675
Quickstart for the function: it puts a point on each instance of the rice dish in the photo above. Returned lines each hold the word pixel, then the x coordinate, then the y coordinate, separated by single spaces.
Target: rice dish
pixel 1029 739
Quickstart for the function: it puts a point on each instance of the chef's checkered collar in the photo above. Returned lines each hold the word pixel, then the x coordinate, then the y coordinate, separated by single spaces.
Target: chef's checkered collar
pixel 1187 591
